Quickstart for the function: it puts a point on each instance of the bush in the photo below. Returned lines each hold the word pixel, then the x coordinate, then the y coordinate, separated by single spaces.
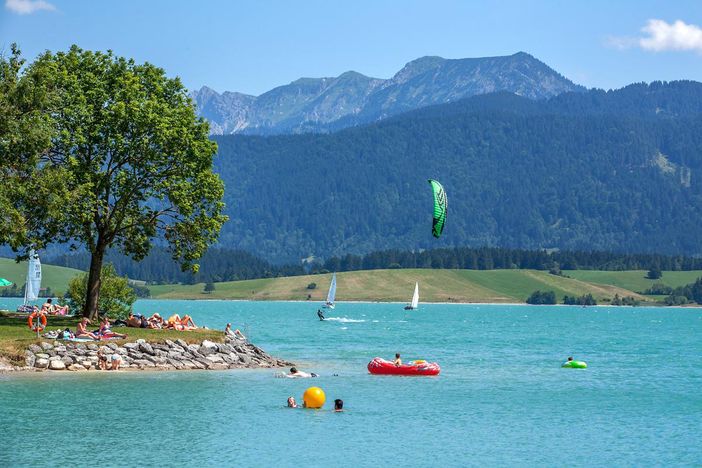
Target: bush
pixel 675 300
pixel 585 299
pixel 654 273
pixel 659 289
pixel 539 298
pixel 116 296
pixel 141 292
pixel 312 286
pixel 209 287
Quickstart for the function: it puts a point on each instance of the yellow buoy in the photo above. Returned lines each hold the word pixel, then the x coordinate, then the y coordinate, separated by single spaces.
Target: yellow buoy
pixel 314 397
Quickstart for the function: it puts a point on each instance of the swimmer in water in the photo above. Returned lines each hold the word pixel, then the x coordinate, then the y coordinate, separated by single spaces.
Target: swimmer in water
pixel 296 374
pixel 291 402
pixel 338 405
pixel 320 314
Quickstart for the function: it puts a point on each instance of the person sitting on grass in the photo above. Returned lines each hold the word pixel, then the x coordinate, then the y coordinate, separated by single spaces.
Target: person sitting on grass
pixel 82 330
pixel 48 307
pixel 233 334
pixel 105 329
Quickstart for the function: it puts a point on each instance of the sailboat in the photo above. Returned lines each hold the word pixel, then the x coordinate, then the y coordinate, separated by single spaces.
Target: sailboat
pixel 32 284
pixel 415 299
pixel 331 295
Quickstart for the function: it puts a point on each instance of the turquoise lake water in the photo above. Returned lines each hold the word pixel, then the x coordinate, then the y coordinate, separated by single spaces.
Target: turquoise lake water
pixel 501 398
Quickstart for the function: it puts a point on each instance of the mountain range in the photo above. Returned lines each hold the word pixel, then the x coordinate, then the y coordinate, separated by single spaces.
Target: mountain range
pixel 327 104
pixel 594 170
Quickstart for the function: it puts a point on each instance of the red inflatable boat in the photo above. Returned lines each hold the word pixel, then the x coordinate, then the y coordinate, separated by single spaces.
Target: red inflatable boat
pixel 380 366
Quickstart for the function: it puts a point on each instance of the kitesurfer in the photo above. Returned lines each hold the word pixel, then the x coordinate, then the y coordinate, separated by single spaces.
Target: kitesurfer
pixel 320 314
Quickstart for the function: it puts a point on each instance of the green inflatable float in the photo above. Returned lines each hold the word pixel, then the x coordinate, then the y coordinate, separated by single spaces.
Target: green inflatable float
pixel 575 365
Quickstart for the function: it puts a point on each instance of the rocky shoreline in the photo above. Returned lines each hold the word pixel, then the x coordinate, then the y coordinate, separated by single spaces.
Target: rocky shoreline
pixel 233 353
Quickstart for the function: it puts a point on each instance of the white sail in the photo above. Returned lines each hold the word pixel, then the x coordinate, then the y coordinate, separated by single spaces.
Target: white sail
pixel 33 283
pixel 415 296
pixel 332 293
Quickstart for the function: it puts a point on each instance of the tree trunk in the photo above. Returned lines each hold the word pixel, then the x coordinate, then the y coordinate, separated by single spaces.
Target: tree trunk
pixel 90 309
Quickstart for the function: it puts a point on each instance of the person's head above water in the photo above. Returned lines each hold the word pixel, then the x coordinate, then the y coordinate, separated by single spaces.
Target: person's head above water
pixel 570 358
pixel 291 402
pixel 293 370
pixel 338 405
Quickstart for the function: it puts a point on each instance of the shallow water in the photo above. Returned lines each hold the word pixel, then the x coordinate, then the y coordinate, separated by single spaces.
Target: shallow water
pixel 501 398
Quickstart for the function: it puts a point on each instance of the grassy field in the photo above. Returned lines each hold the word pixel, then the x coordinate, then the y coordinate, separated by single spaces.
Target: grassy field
pixel 397 285
pixel 635 280
pixel 54 277
pixel 15 335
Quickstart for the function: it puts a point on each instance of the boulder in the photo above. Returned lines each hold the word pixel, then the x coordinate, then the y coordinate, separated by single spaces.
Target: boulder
pixel 205 351
pixel 35 348
pixel 57 364
pixel 42 356
pixel 112 346
pixel 218 366
pixel 209 344
pixel 92 347
pixel 67 360
pixel 131 346
pixel 45 346
pixel 41 363
pixel 245 359
pixel 180 342
pixel 29 359
pixel 143 363
pixel 60 349
pixel 76 367
pixel 146 348
pixel 55 358
pixel 214 358
pixel 136 355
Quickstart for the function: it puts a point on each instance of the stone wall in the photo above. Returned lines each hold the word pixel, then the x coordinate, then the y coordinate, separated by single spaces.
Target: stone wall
pixel 142 355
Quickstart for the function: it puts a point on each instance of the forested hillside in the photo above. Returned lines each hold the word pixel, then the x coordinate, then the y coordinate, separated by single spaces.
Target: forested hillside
pixel 616 171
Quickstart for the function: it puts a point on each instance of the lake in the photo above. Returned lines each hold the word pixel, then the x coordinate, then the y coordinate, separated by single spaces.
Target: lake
pixel 501 398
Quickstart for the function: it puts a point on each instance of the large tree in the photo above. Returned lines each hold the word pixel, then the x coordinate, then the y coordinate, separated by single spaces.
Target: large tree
pixel 136 161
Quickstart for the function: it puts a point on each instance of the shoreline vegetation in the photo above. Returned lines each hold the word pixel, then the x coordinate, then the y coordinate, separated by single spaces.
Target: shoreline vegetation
pixel 142 350
pixel 508 286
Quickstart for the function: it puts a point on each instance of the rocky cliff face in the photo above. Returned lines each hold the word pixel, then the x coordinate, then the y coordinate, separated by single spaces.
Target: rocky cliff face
pixel 324 104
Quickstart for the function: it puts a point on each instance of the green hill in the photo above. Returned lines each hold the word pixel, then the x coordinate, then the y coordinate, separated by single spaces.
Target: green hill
pixel 635 280
pixel 54 277
pixel 397 285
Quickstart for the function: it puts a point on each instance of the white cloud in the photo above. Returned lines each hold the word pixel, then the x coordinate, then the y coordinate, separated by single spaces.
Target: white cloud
pixel 27 7
pixel 660 36
pixel 676 36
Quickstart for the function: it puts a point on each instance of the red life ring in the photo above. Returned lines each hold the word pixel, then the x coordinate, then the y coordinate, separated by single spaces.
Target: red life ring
pixel 41 320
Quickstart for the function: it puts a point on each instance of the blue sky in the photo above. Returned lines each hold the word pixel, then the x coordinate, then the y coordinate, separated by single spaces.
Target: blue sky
pixel 253 46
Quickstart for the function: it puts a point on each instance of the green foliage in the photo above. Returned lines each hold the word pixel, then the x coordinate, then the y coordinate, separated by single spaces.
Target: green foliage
pixel 312 286
pixel 209 287
pixel 134 161
pixel 586 299
pixel 659 289
pixel 654 273
pixel 691 292
pixel 624 301
pixel 142 292
pixel 675 300
pixel 116 296
pixel 542 298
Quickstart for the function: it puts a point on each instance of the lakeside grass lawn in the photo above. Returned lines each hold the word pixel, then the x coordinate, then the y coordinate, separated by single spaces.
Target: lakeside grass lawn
pixel 54 277
pixel 15 335
pixel 397 285
pixel 635 280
